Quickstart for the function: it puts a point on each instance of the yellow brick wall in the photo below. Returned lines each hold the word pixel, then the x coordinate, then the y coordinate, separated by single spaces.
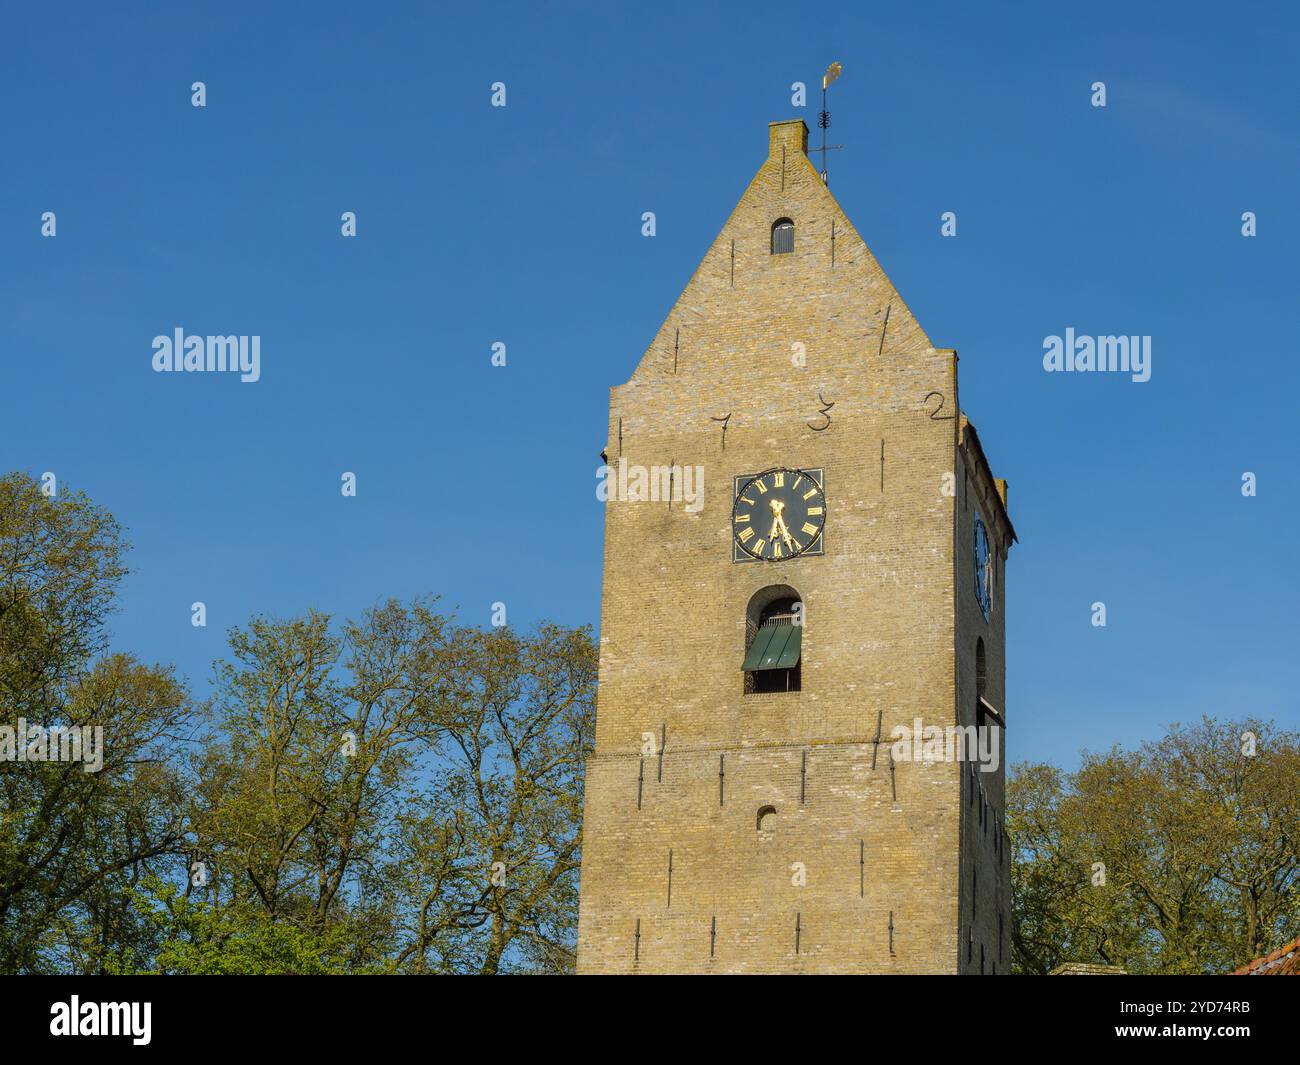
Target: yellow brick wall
pixel 885 632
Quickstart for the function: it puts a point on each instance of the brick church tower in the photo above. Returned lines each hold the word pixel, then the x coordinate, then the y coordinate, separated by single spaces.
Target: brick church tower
pixel 805 550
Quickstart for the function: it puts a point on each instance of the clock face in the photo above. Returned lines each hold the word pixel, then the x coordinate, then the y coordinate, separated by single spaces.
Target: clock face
pixel 778 514
pixel 983 568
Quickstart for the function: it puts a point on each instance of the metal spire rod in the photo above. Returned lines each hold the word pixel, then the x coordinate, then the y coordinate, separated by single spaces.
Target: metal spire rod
pixel 832 72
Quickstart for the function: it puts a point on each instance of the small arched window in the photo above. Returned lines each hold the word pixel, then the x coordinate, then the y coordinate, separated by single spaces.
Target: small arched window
pixel 766 820
pixel 782 236
pixel 773 640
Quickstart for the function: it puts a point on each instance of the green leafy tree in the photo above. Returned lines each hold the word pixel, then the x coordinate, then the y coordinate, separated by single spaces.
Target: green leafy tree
pixel 1180 857
pixel 395 794
pixel 73 843
pixel 196 937
pixel 490 849
pixel 412 781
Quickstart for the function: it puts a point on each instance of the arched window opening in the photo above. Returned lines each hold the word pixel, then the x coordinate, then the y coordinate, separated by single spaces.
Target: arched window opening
pixel 766 820
pixel 985 712
pixel 782 236
pixel 773 641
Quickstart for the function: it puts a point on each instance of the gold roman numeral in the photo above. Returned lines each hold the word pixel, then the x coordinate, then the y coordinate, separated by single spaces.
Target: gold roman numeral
pixel 742 518
pixel 809 528
pixel 746 534
pixel 778 480
pixel 812 511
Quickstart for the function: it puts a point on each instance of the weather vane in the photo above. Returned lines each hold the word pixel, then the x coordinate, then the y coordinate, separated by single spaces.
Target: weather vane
pixel 832 72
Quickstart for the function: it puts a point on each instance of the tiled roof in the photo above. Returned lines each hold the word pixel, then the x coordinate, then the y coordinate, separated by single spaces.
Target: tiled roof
pixel 1285 961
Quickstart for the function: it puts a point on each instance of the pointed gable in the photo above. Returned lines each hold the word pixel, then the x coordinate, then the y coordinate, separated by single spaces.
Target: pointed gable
pixel 745 307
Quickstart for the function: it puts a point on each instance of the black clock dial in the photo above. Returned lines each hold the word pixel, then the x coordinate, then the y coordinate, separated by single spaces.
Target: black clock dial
pixel 778 514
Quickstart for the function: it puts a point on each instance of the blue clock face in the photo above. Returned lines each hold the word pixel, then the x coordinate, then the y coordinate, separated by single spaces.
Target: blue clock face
pixel 983 568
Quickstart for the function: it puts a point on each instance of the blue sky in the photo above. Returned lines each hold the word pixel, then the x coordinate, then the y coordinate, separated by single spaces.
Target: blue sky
pixel 522 225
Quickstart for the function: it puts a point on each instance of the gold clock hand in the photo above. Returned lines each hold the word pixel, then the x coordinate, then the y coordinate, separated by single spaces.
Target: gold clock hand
pixel 777 506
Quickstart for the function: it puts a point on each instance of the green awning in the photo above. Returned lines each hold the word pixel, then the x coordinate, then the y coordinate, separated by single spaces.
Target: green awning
pixel 793 646
pixel 758 649
pixel 775 647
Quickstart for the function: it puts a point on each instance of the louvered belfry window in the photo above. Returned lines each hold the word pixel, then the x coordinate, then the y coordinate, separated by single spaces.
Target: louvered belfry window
pixel 772 659
pixel 782 236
